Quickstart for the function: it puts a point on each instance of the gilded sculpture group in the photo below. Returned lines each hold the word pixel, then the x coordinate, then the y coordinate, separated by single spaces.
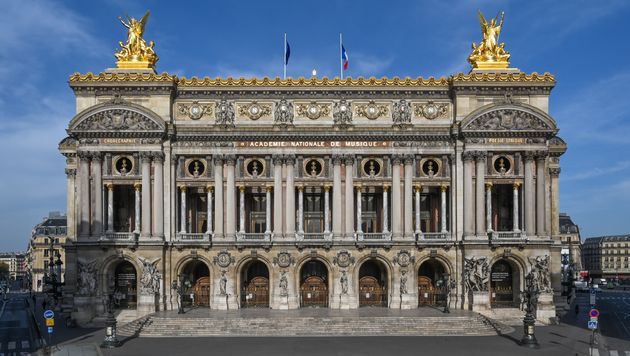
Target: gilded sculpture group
pixel 137 54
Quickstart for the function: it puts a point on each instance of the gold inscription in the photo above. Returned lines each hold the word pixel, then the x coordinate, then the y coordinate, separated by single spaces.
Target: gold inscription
pixel 119 141
pixel 506 140
pixel 314 144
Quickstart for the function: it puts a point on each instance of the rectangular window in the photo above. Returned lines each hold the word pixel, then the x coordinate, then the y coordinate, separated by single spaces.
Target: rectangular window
pixel 46 253
pixel 371 212
pixel 256 205
pixel 313 213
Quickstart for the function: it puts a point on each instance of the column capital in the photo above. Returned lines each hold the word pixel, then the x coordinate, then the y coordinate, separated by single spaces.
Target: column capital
pixel 300 188
pixel 468 156
pixel 516 185
pixel 241 188
pixel 209 188
pixel 541 155
pixel 418 188
pixel 336 159
pixel 71 172
pixel 96 156
pixel 109 186
pixel 481 156
pixel 230 160
pixel 289 159
pixel 327 188
pixel 408 159
pixel 554 172
pixel 277 159
pixel 217 160
pixel 84 156
pixel 488 185
pixel 158 157
pixel 529 156
pixel 145 157
pixel 358 187
pixel 385 187
pixel 269 188
pixel 348 160
pixel 397 159
pixel 183 188
pixel 444 187
pixel 137 186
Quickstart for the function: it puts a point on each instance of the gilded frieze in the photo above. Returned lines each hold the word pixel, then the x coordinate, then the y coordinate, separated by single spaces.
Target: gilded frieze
pixel 313 110
pixel 254 110
pixel 371 110
pixel 430 110
pixel 194 111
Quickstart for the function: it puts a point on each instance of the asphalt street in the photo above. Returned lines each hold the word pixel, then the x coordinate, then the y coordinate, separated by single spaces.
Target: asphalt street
pixel 18 333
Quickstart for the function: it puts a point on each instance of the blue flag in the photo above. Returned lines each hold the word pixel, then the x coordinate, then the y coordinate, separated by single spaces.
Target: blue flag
pixel 287 52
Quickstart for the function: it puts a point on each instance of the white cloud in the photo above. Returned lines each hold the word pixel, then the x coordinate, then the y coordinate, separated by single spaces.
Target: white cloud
pixel 598 172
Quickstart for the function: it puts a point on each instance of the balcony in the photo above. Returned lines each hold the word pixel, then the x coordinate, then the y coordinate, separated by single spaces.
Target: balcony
pixel 253 239
pixel 373 238
pixel 119 236
pixel 193 237
pixel 428 238
pixel 313 239
pixel 507 235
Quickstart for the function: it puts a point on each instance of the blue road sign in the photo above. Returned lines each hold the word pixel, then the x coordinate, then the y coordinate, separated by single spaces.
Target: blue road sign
pixel 49 314
pixel 50 329
pixel 592 324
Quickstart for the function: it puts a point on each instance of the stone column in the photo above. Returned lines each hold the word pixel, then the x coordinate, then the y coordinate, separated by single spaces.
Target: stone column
pixel 145 158
pixel 158 194
pixel 277 195
pixel 480 184
pixel 110 207
pixel 336 209
pixel 218 197
pixel 230 203
pixel 359 229
pixel 554 173
pixel 301 210
pixel 97 173
pixel 408 199
pixel 515 214
pixel 385 209
pixel 136 228
pixel 183 213
pixel 443 190
pixel 84 193
pixel 469 198
pixel 540 194
pixel 489 207
pixel 209 210
pixel 267 210
pixel 396 203
pixel 326 209
pixel 349 206
pixel 290 197
pixel 529 194
pixel 71 174
pixel 241 206
pixel 418 225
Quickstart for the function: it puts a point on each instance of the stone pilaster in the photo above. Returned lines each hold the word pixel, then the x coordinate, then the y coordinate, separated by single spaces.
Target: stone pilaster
pixel 336 208
pixel 469 202
pixel 277 195
pixel 97 179
pixel 218 197
pixel 158 195
pixel 290 196
pixel 145 158
pixel 408 196
pixel 349 205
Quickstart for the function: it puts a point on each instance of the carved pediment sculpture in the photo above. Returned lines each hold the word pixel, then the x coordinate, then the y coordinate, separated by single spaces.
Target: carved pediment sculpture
pixel 509 119
pixel 117 119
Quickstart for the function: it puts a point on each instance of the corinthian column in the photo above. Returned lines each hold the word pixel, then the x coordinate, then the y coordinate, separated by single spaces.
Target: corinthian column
pixel 158 194
pixel 385 209
pixel 267 211
pixel 97 173
pixel 480 180
pixel 301 210
pixel 326 209
pixel 540 194
pixel 84 193
pixel 418 226
pixel 529 194
pixel 136 223
pixel 489 206
pixel 396 203
pixel 218 197
pixel 183 211
pixel 209 210
pixel 290 197
pixel 241 205
pixel 146 194
pixel 336 208
pixel 443 190
pixel 359 229
pixel 230 198
pixel 408 199
pixel 469 198
pixel 349 196
pixel 110 207
pixel 515 216
pixel 277 195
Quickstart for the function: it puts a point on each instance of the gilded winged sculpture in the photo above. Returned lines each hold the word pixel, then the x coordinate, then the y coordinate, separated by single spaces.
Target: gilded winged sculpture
pixel 489 53
pixel 136 53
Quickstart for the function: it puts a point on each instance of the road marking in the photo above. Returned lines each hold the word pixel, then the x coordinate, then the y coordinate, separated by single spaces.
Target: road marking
pixel 25 344
pixel 613 353
pixel 11 345
pixel 627 353
pixel 594 352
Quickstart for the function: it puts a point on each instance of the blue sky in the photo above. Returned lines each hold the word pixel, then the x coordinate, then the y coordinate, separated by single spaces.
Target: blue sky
pixel 584 43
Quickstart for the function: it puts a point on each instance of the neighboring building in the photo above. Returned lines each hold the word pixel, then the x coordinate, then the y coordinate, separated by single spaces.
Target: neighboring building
pixel 571 242
pixel 607 257
pixel 16 263
pixel 51 230
pixel 312 192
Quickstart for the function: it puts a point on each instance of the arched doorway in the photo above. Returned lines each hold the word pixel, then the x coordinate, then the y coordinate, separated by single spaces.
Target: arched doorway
pixel 314 284
pixel 255 285
pixel 372 284
pixel 431 289
pixel 198 274
pixel 504 284
pixel 125 286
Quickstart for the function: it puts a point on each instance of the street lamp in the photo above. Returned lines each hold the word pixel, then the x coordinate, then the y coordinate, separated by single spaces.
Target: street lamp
pixel 111 340
pixel 180 288
pixel 531 304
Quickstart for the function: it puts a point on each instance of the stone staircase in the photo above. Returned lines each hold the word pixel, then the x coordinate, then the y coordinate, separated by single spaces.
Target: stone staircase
pixel 468 324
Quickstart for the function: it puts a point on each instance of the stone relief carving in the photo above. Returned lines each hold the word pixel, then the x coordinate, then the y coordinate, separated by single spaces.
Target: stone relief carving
pixel 431 110
pixel 507 119
pixel 223 259
pixel 372 110
pixel 223 284
pixel 224 114
pixel 342 113
pixel 401 115
pixel 283 115
pixel 118 119
pixel 403 282
pixel 343 259
pixel 254 110
pixel 540 270
pixel 150 280
pixel 344 282
pixel 476 274
pixel 86 282
pixel 195 111
pixel 283 259
pixel 404 258
pixel 284 284
pixel 313 110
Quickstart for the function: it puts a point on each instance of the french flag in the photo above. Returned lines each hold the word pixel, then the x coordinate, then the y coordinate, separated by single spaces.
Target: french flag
pixel 344 58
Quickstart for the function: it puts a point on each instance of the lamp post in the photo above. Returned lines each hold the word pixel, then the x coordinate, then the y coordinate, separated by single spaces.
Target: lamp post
pixel 531 303
pixel 111 340
pixel 447 284
pixel 53 277
pixel 180 288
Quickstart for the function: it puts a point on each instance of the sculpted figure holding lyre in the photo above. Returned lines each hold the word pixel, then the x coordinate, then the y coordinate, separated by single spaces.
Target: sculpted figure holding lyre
pixel 489 54
pixel 136 53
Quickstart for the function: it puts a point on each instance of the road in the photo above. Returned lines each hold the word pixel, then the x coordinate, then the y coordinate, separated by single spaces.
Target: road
pixel 18 332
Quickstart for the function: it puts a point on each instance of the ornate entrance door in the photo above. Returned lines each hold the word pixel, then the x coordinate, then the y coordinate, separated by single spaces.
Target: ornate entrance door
pixel 256 293
pixel 125 286
pixel 501 293
pixel 314 292
pixel 201 289
pixel 426 291
pixel 371 292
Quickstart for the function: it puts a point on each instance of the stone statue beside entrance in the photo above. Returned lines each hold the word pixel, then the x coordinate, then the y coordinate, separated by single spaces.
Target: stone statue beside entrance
pixel 344 282
pixel 476 274
pixel 87 278
pixel 284 284
pixel 540 271
pixel 403 282
pixel 223 284
pixel 151 277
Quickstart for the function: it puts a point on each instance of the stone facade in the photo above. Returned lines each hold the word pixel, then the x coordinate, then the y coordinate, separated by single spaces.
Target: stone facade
pixel 289 193
pixel 607 257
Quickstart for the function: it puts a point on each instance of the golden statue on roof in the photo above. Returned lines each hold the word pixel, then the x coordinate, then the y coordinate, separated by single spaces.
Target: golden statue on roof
pixel 489 54
pixel 136 54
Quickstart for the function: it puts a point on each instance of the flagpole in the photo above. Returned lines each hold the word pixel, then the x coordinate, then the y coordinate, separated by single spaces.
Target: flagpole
pixel 284 58
pixel 340 57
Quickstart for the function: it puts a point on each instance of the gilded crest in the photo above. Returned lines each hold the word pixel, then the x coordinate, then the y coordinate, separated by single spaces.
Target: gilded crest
pixel 431 110
pixel 313 110
pixel 254 110
pixel 343 259
pixel 372 110
pixel 283 259
pixel 223 259
pixel 195 111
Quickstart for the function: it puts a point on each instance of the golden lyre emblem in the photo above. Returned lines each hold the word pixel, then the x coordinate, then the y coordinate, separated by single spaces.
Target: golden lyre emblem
pixel 136 54
pixel 489 54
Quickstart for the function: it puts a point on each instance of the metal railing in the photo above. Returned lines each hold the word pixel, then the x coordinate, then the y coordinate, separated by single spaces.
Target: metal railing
pixel 121 236
pixel 507 235
pixel 253 236
pixel 433 236
pixel 313 236
pixel 193 236
pixel 373 236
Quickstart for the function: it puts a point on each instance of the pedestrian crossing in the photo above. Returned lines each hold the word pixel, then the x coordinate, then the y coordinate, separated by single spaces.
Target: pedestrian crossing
pixel 613 298
pixel 597 352
pixel 15 347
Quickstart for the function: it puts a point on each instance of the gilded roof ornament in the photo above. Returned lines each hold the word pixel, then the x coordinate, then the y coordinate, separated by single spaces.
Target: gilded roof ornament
pixel 489 53
pixel 136 53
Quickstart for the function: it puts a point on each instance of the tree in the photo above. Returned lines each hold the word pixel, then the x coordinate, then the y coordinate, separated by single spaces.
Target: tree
pixel 4 271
